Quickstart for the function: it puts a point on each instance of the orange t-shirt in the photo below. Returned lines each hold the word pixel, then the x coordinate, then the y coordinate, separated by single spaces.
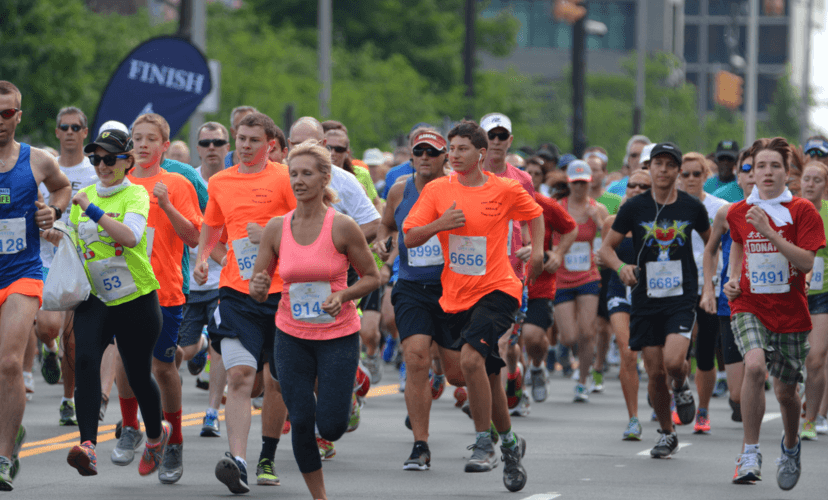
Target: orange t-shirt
pixel 163 244
pixel 237 199
pixel 476 260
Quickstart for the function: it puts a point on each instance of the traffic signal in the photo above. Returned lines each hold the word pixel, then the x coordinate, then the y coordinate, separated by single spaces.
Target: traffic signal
pixel 774 7
pixel 729 89
pixel 569 11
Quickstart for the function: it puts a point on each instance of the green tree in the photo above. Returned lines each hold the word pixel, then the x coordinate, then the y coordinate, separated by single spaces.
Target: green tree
pixel 783 111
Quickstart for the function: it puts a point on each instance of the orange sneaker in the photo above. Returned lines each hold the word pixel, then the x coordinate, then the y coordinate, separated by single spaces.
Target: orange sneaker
pixel 154 454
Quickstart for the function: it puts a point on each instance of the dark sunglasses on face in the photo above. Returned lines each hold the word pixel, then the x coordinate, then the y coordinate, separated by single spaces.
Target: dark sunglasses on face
pixel 8 113
pixel 432 152
pixel 695 174
pixel 75 127
pixel 337 149
pixel 205 143
pixel 109 160
pixel 500 135
pixel 641 186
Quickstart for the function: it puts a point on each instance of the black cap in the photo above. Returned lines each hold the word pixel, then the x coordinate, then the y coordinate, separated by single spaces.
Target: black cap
pixel 666 148
pixel 112 140
pixel 727 149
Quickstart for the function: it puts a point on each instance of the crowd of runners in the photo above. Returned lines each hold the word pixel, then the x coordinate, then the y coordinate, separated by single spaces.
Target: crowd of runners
pixel 289 271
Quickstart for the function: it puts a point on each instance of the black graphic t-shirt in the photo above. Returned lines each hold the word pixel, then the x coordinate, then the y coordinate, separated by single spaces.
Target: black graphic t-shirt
pixel 668 278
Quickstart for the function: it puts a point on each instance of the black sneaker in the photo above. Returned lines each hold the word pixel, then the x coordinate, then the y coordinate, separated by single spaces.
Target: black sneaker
pixel 233 474
pixel 737 410
pixel 514 475
pixel 420 458
pixel 685 404
pixel 666 446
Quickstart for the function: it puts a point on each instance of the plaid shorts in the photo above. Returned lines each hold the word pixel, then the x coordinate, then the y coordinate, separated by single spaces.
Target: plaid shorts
pixel 784 352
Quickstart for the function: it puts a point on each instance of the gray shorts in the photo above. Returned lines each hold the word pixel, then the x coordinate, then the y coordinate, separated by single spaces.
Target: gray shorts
pixel 198 312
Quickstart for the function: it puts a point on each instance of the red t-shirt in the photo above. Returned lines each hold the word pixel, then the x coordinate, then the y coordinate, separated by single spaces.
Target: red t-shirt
pixel 516 240
pixel 555 218
pixel 764 269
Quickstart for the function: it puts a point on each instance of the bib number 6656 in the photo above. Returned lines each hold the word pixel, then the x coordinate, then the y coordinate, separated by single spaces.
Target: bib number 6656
pixel 466 259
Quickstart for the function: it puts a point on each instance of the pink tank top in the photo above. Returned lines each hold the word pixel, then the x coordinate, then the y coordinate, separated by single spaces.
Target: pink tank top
pixel 311 273
pixel 579 266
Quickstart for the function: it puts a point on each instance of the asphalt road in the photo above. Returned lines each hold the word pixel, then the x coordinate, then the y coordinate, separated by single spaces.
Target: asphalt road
pixel 574 451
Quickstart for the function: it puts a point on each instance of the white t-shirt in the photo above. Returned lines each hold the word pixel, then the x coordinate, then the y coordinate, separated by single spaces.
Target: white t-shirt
pixel 213 266
pixel 712 204
pixel 352 198
pixel 80 175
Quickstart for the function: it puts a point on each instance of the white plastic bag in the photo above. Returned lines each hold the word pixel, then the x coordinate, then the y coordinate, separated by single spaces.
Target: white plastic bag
pixel 66 284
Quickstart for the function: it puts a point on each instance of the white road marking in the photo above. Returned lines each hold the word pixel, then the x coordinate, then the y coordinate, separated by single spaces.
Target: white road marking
pixel 771 416
pixel 646 453
pixel 544 496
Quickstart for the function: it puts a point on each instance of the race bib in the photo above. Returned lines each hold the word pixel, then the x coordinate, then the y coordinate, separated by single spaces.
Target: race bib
pixel 12 235
pixel 816 278
pixel 768 273
pixel 664 279
pixel 150 239
pixel 578 257
pixel 430 254
pixel 245 253
pixel 111 278
pixel 306 301
pixel 467 254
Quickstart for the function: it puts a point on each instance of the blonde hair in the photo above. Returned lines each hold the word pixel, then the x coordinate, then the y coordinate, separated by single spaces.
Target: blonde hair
pixel 322 159
pixel 157 120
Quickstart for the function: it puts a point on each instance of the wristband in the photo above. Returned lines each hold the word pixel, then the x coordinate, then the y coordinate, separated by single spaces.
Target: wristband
pixel 94 212
pixel 620 268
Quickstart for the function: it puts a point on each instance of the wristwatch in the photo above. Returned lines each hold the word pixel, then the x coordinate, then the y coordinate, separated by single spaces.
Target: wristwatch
pixel 58 212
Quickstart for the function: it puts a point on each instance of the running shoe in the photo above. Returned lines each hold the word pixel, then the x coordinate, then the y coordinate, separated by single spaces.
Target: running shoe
pixel 666 445
pixel 83 458
pixel 172 466
pixel 233 473
pixel 204 385
pixel 483 457
pixel 551 359
pixel 28 383
pixel 362 381
pixel 420 458
pixel 265 476
pixel 514 475
pixel 408 423
pixel 736 416
pixel 748 468
pixel 326 448
pixel 720 389
pixel 538 377
pixel 702 422
pixel 466 408
pixel 673 413
pixel 286 427
pixel 514 387
pixel 374 367
pixel 563 359
pixel 522 409
pixel 50 368
pixel 257 402
pixel 788 467
pixel 613 354
pixel 597 381
pixel 633 431
pixel 581 394
pixel 353 421
pixel 199 361
pixel 154 454
pixel 6 480
pixel 67 413
pixel 460 396
pixel 685 404
pixel 402 377
pixel 438 385
pixel 808 432
pixel 118 428
pixel 211 427
pixel 19 439
pixel 390 349
pixel 129 442
pixel 104 405
pixel 821 425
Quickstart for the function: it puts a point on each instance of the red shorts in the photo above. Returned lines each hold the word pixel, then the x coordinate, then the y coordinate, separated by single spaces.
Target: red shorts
pixel 24 286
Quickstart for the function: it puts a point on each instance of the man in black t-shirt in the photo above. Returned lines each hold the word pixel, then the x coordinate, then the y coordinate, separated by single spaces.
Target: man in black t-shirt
pixel 664 284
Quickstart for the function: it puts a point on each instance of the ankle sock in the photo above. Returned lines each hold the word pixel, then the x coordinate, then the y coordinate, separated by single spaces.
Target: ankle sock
pixel 484 434
pixel 129 412
pixel 508 439
pixel 751 448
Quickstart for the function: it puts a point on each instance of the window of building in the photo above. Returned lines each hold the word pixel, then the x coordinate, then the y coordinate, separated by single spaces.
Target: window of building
pixel 773 44
pixel 691 43
pixel 717 44
pixel 692 7
pixel 725 7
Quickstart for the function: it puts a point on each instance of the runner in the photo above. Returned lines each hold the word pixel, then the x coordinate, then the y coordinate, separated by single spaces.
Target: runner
pixel 479 289
pixel 316 332
pixel 632 160
pixel 664 284
pixel 578 281
pixel 406 167
pixel 236 116
pixel 775 237
pixel 110 217
pixel 242 199
pixel 726 156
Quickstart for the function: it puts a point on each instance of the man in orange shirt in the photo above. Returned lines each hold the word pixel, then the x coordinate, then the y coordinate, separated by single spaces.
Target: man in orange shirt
pixel 243 199
pixel 471 213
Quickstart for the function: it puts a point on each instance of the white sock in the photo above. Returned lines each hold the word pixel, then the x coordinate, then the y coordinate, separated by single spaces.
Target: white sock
pixel 243 461
pixel 751 448
pixel 721 375
pixel 51 349
pixel 28 374
pixel 67 399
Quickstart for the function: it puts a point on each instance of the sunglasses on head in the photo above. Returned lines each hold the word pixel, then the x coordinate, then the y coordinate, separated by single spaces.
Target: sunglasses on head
pixel 109 160
pixel 75 127
pixel 430 151
pixel 337 149
pixel 500 135
pixel 695 174
pixel 641 185
pixel 817 153
pixel 8 113
pixel 205 143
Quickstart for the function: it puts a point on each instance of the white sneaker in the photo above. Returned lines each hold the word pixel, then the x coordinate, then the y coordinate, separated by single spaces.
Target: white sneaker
pixel 821 425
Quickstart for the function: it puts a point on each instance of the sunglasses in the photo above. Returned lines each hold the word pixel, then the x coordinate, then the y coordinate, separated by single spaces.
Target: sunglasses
pixel 338 149
pixel 500 135
pixel 818 153
pixel 109 160
pixel 433 153
pixel 205 143
pixel 8 113
pixel 75 127
pixel 746 167
pixel 643 186
pixel 696 174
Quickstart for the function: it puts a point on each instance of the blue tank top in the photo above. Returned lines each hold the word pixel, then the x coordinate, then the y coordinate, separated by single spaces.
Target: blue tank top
pixel 426 274
pixel 723 308
pixel 18 193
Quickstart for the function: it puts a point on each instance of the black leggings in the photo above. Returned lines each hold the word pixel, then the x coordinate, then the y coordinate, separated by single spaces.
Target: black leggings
pixel 706 339
pixel 136 326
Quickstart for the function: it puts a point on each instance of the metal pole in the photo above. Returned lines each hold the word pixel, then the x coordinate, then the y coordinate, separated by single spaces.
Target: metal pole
pixel 325 27
pixel 578 86
pixel 185 18
pixel 198 35
pixel 804 124
pixel 640 74
pixel 751 76
pixel 468 58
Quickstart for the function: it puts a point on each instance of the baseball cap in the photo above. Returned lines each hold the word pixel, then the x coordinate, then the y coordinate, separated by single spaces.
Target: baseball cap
pixel 113 124
pixel 112 140
pixel 578 170
pixel 431 138
pixel 565 160
pixel 667 148
pixel 646 153
pixel 373 156
pixel 494 120
pixel 727 149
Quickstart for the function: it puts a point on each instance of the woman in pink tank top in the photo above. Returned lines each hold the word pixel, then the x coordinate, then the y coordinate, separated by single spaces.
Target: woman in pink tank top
pixel 317 323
